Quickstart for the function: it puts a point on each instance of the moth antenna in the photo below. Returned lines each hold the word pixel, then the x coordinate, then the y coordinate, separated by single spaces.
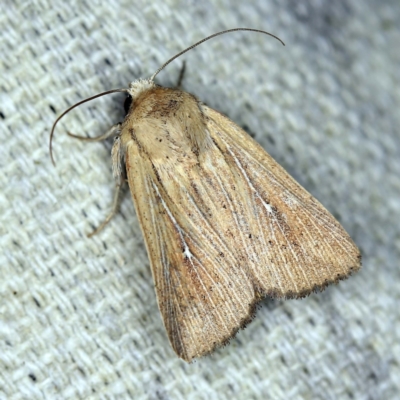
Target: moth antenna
pixel 208 38
pixel 72 107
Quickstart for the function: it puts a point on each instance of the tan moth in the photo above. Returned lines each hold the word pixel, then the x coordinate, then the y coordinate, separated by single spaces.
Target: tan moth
pixel 224 224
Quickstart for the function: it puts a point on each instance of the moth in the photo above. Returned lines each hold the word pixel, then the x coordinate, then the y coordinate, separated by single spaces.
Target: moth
pixel 223 223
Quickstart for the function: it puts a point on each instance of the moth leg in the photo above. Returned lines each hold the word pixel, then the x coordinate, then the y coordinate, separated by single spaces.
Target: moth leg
pixel 116 156
pixel 181 74
pixel 113 131
pixel 111 214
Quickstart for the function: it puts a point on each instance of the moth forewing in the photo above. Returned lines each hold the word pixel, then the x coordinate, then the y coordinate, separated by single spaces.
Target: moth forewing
pixel 305 244
pixel 223 223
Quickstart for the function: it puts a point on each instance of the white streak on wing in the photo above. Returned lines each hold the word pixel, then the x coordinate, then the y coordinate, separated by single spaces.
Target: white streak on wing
pixel 269 209
pixel 187 251
pixel 272 177
pixel 240 232
pixel 331 227
pixel 165 287
pixel 172 292
pixel 277 276
pixel 321 216
pixel 261 230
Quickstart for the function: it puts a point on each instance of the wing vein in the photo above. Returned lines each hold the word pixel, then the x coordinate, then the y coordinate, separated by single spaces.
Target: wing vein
pixel 269 211
pixel 189 255
pixel 166 282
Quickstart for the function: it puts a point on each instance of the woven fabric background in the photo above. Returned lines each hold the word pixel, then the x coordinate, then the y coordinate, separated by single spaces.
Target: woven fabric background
pixel 78 316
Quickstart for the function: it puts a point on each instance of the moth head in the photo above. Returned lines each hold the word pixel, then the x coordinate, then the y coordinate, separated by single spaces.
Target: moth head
pixel 136 88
